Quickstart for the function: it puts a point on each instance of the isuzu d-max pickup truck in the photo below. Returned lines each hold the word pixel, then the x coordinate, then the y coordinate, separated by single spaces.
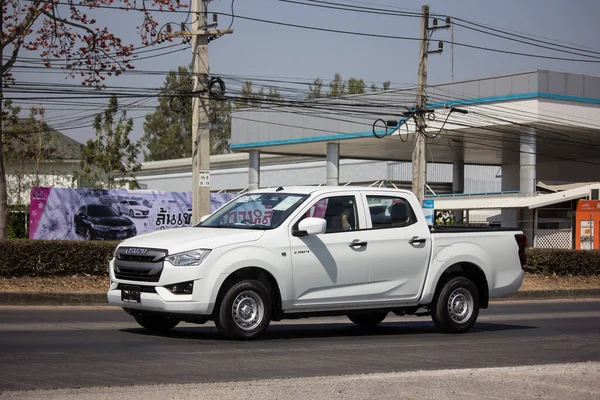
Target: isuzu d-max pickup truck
pixel 299 252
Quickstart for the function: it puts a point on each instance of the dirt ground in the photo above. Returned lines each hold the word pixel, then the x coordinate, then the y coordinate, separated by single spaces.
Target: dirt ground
pixel 99 284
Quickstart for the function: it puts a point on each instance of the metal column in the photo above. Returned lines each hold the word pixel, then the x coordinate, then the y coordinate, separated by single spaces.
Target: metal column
pixel 527 178
pixel 254 170
pixel 333 164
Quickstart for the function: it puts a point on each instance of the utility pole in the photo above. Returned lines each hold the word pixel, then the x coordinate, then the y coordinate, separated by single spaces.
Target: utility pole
pixel 200 35
pixel 419 160
pixel 200 111
pixel 418 156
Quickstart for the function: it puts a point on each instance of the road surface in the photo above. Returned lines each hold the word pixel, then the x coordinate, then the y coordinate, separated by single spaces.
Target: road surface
pixel 79 347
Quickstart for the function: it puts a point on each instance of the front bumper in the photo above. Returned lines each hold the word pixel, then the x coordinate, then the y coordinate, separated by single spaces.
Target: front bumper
pixel 198 303
pixel 162 301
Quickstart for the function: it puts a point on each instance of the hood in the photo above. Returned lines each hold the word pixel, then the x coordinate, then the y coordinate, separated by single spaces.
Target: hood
pixel 182 239
pixel 111 221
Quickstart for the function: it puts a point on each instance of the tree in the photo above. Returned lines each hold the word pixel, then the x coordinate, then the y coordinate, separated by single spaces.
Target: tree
pixel 337 87
pixel 314 90
pixel 356 86
pixel 273 97
pixel 88 51
pixel 374 87
pixel 386 85
pixel 110 160
pixel 27 144
pixel 168 130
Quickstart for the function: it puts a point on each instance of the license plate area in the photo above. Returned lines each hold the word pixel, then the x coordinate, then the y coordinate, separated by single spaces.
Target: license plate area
pixel 131 294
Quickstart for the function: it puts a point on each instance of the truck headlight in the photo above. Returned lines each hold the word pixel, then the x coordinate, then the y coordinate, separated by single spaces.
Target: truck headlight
pixel 188 258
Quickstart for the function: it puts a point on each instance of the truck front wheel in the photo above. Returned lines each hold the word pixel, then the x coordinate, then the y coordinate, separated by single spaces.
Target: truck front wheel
pixel 245 310
pixel 456 306
pixel 156 323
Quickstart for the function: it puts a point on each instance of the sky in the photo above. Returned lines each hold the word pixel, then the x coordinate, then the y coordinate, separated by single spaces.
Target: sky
pixel 264 50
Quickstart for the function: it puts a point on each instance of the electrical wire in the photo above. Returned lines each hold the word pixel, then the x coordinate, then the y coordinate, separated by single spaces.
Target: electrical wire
pixel 232 14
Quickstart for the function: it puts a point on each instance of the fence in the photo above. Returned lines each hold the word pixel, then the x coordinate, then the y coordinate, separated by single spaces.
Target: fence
pixel 553 239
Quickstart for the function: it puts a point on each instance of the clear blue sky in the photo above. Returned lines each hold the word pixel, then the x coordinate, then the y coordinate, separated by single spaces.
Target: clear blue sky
pixel 257 49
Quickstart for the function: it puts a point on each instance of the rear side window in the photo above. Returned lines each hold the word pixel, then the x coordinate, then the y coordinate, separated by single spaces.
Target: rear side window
pixel 390 212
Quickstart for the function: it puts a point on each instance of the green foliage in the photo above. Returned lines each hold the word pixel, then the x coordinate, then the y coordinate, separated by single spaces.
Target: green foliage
pixel 111 159
pixel 563 262
pixel 315 90
pixel 21 257
pixel 17 221
pixel 337 87
pixel 356 86
pixel 168 134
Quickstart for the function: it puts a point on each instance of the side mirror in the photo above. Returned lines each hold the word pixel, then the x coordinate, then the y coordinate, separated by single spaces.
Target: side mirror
pixel 311 226
pixel 204 218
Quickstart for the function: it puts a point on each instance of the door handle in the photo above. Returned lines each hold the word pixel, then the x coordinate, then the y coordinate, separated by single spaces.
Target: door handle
pixel 357 243
pixel 417 240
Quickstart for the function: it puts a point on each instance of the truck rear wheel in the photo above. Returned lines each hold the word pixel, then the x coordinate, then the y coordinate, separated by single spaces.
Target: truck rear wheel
pixel 156 323
pixel 368 319
pixel 245 310
pixel 456 306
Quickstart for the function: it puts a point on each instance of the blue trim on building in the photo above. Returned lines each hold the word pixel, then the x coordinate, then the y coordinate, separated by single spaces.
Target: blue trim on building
pixel 356 135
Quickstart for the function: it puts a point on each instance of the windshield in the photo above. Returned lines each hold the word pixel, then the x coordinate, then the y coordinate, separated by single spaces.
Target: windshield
pixel 134 203
pixel 255 211
pixel 102 211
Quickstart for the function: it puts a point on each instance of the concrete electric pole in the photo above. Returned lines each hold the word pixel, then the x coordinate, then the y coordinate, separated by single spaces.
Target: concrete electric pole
pixel 418 157
pixel 200 109
pixel 419 160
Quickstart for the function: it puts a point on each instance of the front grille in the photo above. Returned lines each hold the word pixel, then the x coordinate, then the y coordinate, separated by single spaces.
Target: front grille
pixel 143 289
pixel 140 275
pixel 143 259
pixel 140 268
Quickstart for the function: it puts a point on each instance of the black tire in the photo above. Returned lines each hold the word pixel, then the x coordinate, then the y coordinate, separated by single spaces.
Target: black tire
pixel 156 323
pixel 456 307
pixel 368 320
pixel 245 310
pixel 131 213
pixel 88 234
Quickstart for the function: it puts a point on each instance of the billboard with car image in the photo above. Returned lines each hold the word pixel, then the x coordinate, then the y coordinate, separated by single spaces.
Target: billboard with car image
pixel 102 214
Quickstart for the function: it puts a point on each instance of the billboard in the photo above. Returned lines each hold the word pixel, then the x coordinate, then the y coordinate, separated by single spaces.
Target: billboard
pixel 117 214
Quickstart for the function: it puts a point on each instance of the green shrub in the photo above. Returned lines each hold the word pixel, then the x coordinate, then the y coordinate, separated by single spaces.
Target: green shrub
pixel 23 257
pixel 563 262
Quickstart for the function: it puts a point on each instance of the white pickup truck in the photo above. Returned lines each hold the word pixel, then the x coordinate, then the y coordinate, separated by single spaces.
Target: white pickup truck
pixel 299 252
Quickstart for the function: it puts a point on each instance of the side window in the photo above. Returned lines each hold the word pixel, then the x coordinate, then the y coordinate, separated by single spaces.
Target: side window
pixel 338 211
pixel 390 212
pixel 81 210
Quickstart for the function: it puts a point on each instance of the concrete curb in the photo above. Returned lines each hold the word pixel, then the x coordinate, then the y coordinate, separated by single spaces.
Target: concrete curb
pixel 552 294
pixel 99 299
pixel 53 299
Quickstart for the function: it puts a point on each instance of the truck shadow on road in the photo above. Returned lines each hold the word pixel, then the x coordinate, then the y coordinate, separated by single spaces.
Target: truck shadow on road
pixel 328 330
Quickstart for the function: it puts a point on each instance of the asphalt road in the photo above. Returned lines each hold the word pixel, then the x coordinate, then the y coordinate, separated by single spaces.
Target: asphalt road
pixel 73 347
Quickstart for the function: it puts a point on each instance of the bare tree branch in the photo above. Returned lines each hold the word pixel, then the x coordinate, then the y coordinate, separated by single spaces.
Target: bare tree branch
pixel 67 22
